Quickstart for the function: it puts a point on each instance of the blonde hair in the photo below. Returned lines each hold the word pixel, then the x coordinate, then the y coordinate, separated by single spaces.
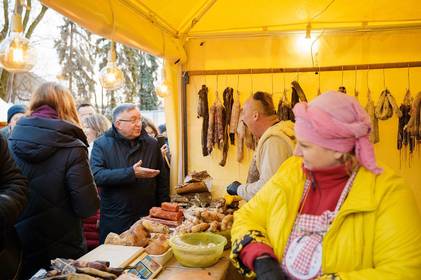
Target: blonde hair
pixel 147 122
pixel 99 123
pixel 57 97
pixel 350 161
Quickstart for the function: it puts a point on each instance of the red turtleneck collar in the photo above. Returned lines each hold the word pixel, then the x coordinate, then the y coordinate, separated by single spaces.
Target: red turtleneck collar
pixel 326 189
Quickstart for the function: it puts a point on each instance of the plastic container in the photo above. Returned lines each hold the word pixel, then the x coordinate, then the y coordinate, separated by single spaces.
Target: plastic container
pixel 163 258
pixel 201 249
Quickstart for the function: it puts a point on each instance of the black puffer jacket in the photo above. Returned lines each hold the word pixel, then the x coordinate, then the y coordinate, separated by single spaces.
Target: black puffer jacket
pixel 13 193
pixel 125 198
pixel 53 155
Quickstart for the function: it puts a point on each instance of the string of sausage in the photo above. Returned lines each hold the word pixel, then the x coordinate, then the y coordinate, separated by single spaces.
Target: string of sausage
pixel 203 112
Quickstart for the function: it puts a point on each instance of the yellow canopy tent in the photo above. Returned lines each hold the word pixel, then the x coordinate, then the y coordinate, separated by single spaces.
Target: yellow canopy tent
pixel 256 35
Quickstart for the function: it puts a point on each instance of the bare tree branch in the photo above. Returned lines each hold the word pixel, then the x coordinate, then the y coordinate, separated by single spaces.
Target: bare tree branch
pixel 27 13
pixel 5 29
pixel 36 22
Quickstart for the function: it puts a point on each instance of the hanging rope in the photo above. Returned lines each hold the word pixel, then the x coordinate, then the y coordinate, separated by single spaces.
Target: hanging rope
pixel 356 93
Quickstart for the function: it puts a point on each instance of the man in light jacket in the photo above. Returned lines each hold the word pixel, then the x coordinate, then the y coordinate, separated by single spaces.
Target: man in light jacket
pixel 276 143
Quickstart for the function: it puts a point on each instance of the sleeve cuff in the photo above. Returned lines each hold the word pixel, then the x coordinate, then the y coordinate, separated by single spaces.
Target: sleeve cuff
pixel 238 245
pixel 254 250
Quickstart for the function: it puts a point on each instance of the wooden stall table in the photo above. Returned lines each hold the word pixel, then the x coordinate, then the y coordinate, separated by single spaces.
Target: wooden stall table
pixel 223 269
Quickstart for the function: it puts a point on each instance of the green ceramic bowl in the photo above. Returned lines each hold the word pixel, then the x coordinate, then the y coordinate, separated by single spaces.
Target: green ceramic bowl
pixel 201 249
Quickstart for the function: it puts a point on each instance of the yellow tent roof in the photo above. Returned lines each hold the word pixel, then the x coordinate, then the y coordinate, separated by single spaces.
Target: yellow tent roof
pixel 151 24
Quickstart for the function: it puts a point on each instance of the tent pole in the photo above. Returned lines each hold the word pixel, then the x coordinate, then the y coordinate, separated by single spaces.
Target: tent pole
pixel 353 67
pixel 184 82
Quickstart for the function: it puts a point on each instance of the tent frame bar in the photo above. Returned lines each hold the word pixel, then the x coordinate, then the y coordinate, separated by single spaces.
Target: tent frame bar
pixel 353 67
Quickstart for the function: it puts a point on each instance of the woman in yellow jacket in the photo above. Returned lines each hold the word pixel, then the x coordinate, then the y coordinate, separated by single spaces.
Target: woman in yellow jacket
pixel 331 212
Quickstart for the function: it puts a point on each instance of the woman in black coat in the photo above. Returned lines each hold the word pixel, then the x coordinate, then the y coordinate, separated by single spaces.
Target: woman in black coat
pixel 13 195
pixel 51 150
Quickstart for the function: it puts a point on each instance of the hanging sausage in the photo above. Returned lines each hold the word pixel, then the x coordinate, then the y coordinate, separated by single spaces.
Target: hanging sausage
pixel 203 112
pixel 413 126
pixel 297 95
pixel 284 108
pixel 211 128
pixel 228 102
pixel 386 106
pixel 370 108
pixel 235 116
pixel 404 138
pixel 241 134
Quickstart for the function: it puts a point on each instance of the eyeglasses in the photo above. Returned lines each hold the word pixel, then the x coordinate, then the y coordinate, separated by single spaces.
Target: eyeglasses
pixel 136 121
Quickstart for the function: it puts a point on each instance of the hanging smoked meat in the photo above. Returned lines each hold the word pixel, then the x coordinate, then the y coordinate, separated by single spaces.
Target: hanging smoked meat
pixel 235 116
pixel 386 106
pixel 342 89
pixel 211 128
pixel 203 112
pixel 297 95
pixel 414 124
pixel 241 134
pixel 370 108
pixel 228 102
pixel 284 109
pixel 218 137
pixel 404 138
pixel 216 125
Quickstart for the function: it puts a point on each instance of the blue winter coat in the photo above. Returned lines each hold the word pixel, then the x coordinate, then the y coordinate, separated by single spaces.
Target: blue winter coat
pixel 125 198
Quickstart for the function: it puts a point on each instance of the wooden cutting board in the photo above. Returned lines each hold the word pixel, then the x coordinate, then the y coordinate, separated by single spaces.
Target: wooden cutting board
pixel 117 255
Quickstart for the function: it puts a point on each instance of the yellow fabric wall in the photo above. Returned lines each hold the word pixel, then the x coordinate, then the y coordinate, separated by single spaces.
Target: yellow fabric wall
pixel 281 51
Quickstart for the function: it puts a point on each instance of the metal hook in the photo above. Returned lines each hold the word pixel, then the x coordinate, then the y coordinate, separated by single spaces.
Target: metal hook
pixel 319 91
pixel 368 70
pixel 217 94
pixel 272 80
pixel 342 76
pixel 284 80
pixel 355 83
pixel 384 79
pixel 251 80
pixel 238 83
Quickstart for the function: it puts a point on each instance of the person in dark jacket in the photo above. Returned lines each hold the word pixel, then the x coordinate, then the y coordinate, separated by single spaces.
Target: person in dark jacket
pixel 127 166
pixel 51 150
pixel 14 113
pixel 13 197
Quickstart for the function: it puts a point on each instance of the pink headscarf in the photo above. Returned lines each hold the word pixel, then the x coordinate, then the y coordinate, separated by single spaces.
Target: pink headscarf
pixel 337 122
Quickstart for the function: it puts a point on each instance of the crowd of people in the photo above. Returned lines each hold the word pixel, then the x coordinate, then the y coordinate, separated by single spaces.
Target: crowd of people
pixel 69 176
pixel 319 204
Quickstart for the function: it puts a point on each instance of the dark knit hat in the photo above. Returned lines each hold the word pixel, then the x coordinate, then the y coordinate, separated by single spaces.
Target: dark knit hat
pixel 14 110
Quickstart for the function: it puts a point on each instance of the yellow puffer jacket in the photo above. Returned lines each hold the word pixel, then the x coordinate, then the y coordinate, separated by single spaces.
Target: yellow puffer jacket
pixel 376 234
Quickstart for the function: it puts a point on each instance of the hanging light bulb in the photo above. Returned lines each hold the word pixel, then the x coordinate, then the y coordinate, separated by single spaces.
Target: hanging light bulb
pixel 111 77
pixel 16 53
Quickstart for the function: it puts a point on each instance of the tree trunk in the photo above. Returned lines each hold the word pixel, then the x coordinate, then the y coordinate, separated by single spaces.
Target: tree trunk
pixel 70 57
pixel 11 88
pixel 5 29
pixel 36 21
pixel 3 84
pixel 112 100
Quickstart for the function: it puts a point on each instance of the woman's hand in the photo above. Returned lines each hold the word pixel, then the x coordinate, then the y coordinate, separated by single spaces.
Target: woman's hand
pixel 164 150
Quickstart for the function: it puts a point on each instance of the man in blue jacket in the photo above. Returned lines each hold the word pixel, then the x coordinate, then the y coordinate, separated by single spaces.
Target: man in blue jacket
pixel 127 166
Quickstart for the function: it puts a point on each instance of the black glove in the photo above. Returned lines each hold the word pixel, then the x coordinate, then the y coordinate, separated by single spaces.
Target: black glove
pixel 233 187
pixel 268 268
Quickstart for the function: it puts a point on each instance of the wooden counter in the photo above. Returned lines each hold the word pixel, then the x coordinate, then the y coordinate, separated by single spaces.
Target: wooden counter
pixel 223 269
